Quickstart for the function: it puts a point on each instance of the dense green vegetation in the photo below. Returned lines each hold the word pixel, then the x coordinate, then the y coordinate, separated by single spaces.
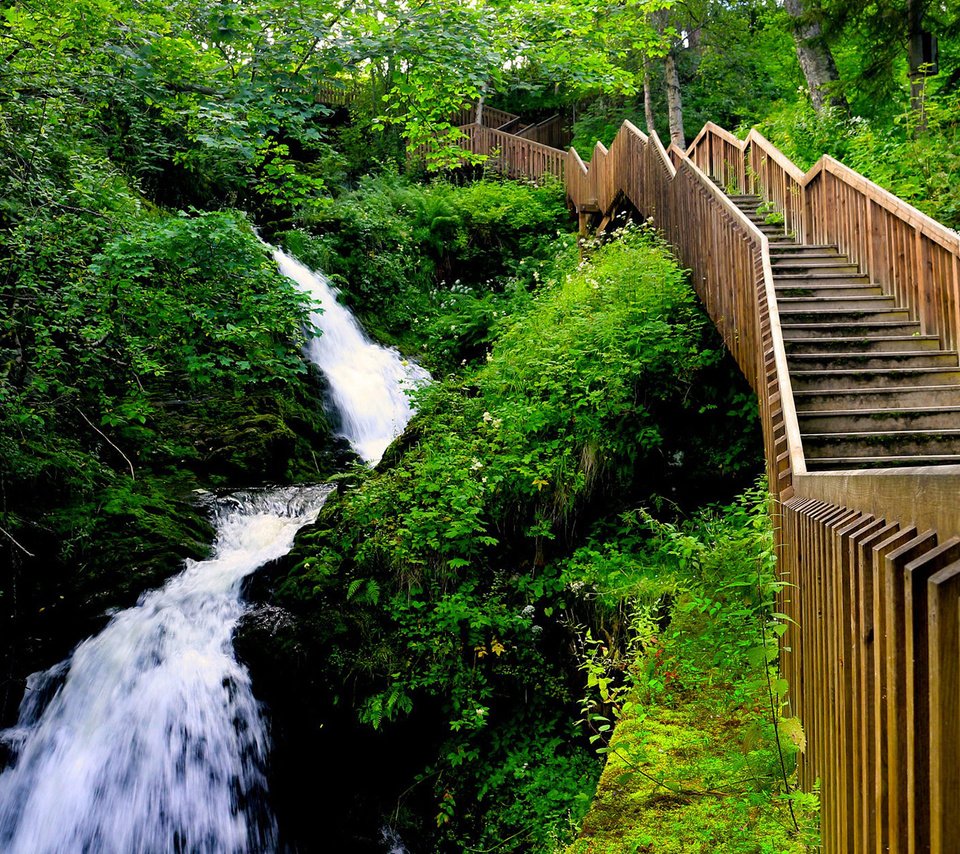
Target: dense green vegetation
pixel 694 758
pixel 430 267
pixel 447 576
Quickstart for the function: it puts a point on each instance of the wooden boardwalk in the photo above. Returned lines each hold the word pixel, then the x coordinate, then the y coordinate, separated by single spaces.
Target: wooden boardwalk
pixel 841 305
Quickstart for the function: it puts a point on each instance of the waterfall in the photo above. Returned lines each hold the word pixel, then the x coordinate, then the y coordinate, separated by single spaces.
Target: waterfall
pixel 148 738
pixel 368 383
pixel 154 741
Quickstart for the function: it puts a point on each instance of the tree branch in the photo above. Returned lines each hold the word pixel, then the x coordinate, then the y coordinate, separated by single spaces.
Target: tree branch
pixel 10 537
pixel 107 440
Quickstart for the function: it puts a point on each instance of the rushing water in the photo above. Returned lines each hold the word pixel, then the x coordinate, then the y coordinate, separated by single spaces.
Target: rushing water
pixel 368 383
pixel 154 741
pixel 148 738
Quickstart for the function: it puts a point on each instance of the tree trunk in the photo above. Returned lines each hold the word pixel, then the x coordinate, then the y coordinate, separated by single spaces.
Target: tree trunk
pixel 816 59
pixel 674 102
pixel 648 98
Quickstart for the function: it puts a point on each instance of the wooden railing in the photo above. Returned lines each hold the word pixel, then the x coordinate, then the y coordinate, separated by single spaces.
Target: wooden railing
pixel 910 255
pixel 729 259
pixel 336 93
pixel 870 559
pixel 553 131
pixel 490 117
pixel 913 257
pixel 512 156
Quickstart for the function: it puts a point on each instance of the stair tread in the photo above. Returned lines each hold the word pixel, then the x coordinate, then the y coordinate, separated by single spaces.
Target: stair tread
pixel 832 286
pixel 795 277
pixel 864 339
pixel 878 390
pixel 897 354
pixel 871 412
pixel 860 434
pixel 892 371
pixel 880 461
pixel 819 247
pixel 835 311
pixel 829 300
pixel 878 324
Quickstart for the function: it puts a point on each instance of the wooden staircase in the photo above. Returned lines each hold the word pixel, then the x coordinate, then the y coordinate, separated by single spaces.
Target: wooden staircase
pixel 871 391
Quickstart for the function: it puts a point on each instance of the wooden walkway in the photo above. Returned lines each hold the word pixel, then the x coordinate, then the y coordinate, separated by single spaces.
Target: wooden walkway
pixel 842 309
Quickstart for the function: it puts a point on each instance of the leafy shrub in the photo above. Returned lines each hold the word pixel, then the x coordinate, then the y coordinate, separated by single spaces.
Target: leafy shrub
pixel 442 565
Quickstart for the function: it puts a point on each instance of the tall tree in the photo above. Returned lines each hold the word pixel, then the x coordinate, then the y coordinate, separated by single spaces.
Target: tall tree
pixel 814 54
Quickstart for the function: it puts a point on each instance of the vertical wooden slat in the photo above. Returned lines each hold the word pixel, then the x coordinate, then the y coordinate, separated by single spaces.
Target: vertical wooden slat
pixel 887 541
pixel 916 574
pixel 943 597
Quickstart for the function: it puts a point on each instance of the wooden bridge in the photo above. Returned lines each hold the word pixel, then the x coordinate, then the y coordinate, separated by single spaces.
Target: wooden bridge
pixel 841 305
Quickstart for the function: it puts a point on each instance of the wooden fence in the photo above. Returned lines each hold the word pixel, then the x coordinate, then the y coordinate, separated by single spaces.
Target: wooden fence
pixel 490 117
pixel 511 155
pixel 553 131
pixel 871 558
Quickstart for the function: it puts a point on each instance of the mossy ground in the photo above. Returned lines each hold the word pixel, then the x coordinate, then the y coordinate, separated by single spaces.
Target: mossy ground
pixel 714 798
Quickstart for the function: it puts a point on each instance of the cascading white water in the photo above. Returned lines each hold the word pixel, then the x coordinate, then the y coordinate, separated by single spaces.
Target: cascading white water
pixel 154 741
pixel 148 738
pixel 368 383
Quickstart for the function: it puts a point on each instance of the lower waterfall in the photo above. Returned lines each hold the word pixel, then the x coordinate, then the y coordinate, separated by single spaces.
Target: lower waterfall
pixel 148 738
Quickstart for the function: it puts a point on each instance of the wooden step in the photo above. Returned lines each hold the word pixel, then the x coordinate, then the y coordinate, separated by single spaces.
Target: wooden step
pixel 828 290
pixel 859 361
pixel 822 265
pixel 799 330
pixel 856 302
pixel 913 397
pixel 871 420
pixel 842 316
pixel 878 344
pixel 812 256
pixel 817 277
pixel 827 380
pixel 793 247
pixel 883 443
pixel 845 463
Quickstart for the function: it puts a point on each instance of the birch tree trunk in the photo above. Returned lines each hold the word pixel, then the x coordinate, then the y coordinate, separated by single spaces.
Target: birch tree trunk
pixel 648 99
pixel 816 59
pixel 674 101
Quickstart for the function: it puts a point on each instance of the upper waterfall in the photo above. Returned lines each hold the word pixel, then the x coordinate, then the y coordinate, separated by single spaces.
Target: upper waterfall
pixel 368 383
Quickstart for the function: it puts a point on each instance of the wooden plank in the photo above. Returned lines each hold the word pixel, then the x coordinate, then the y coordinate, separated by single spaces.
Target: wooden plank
pixel 943 595
pixel 896 665
pixel 887 541
pixel 916 574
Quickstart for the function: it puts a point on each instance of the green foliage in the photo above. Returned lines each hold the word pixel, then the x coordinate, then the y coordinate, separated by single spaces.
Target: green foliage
pixel 692 685
pixel 432 267
pixel 444 564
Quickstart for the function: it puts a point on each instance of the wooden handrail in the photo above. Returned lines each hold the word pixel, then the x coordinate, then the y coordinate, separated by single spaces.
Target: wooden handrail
pixel 910 255
pixel 709 232
pixel 513 156
pixel 760 141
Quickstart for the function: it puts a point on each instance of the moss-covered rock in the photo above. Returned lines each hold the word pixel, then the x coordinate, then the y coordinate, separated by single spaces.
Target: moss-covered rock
pixel 679 781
